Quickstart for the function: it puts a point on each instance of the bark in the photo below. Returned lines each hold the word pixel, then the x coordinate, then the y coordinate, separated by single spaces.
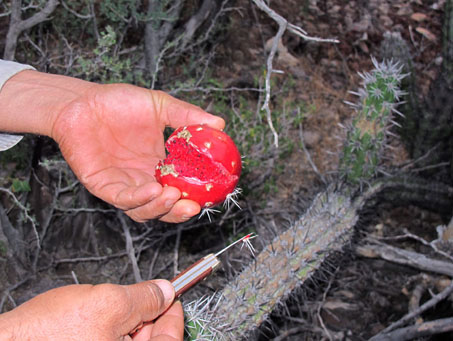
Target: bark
pixel 206 8
pixel 157 33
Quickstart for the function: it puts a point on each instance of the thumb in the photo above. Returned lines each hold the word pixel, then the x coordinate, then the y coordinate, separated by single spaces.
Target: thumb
pixel 176 113
pixel 151 298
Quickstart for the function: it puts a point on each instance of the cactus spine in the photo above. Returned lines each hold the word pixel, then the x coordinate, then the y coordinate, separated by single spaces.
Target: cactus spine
pixel 366 137
pixel 294 256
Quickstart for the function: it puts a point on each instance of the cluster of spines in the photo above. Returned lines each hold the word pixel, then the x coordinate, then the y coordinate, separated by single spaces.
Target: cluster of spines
pixel 201 323
pixel 285 264
pixel 366 138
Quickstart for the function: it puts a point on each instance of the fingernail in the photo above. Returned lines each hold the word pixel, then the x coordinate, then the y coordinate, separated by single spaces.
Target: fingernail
pixel 167 289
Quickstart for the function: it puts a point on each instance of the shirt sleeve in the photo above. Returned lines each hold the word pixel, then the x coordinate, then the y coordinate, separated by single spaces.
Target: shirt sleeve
pixel 7 70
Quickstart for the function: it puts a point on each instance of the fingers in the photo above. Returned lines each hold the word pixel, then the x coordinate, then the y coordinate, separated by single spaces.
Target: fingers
pixel 157 207
pixel 170 324
pixel 168 327
pixel 166 207
pixel 150 299
pixel 131 196
pixel 183 210
pixel 177 113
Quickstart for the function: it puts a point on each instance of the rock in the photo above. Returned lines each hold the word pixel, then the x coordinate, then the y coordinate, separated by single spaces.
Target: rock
pixel 311 138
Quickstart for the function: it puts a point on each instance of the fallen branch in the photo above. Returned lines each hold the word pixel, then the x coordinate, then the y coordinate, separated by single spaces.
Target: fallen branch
pixel 432 244
pixel 427 305
pixel 417 330
pixel 405 257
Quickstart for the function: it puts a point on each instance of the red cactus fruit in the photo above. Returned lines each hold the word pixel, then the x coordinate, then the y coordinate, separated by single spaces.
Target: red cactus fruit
pixel 202 162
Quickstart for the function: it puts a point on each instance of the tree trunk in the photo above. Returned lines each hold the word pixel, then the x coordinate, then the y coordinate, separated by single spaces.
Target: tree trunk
pixel 17 25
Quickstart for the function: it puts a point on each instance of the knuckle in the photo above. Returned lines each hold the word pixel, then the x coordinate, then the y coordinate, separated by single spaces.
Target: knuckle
pixel 154 297
pixel 114 298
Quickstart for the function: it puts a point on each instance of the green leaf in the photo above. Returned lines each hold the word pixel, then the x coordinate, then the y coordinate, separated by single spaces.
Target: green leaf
pixel 20 186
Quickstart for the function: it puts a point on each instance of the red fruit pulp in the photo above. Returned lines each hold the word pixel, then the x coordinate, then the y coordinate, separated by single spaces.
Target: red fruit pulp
pixel 202 162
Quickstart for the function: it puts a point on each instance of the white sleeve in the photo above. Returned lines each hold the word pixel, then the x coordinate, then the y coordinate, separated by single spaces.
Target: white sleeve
pixel 7 70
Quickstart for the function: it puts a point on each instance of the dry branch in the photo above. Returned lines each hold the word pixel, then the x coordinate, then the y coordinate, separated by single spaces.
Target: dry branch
pixel 17 25
pixel 405 257
pixel 283 25
pixel 130 247
pixel 418 330
pixel 427 305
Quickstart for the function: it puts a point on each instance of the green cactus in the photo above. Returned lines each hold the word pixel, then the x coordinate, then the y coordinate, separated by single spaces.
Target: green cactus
pixel 288 261
pixel 294 256
pixel 366 137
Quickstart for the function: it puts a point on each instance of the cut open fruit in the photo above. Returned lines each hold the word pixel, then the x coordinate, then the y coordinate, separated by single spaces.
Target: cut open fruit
pixel 202 162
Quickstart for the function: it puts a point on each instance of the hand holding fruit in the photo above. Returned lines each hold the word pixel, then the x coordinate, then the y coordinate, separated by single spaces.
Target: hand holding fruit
pixel 116 143
pixel 110 135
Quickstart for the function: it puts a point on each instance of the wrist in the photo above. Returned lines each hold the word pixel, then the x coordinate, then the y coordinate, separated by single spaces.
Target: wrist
pixel 31 101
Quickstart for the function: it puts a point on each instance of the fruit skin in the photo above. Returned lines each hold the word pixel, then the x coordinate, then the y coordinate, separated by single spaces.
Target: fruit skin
pixel 202 162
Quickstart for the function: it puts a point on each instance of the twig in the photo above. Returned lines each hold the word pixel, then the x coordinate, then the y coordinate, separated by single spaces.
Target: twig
pixel 78 15
pixel 176 251
pixel 410 235
pixel 207 90
pixel 439 165
pixel 130 247
pixel 418 330
pixel 94 20
pixel 283 25
pixel 153 261
pixel 25 212
pixel 324 295
pixel 7 291
pixel 308 156
pixel 85 259
pixel 284 335
pixel 85 210
pixel 281 30
pixel 425 156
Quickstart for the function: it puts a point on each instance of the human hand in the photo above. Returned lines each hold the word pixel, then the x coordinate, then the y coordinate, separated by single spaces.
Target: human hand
pixel 110 135
pixel 99 312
